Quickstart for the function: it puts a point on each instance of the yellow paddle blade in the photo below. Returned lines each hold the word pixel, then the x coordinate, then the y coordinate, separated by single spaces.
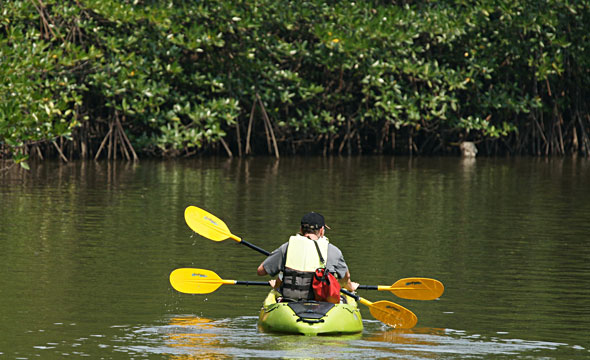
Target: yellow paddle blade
pixel 196 281
pixel 207 225
pixel 391 314
pixel 416 288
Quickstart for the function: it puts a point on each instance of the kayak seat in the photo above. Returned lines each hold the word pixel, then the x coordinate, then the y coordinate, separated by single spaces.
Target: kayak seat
pixel 310 311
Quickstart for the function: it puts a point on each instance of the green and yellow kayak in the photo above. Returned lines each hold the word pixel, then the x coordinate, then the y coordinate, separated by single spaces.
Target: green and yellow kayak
pixel 309 317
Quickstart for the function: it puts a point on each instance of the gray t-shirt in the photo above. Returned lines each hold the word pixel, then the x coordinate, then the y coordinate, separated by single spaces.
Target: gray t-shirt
pixel 335 262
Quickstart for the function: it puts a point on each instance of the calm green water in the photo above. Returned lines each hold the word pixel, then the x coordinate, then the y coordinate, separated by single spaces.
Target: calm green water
pixel 86 250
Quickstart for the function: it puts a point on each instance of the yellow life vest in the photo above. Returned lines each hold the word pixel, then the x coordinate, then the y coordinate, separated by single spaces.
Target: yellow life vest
pixel 302 254
pixel 301 261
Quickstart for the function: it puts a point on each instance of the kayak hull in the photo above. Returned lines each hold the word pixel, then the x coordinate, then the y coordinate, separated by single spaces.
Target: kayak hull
pixel 309 317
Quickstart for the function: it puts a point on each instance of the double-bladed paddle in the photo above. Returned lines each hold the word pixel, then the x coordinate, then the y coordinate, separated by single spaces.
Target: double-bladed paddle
pixel 201 281
pixel 213 228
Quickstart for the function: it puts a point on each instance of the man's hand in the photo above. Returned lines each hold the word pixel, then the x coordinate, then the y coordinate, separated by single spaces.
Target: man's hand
pixel 275 283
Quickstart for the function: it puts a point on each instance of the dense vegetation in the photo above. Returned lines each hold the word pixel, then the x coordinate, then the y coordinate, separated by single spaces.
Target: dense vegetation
pixel 115 78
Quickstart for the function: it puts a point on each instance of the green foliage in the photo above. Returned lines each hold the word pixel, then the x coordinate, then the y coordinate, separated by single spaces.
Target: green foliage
pixel 184 75
pixel 40 92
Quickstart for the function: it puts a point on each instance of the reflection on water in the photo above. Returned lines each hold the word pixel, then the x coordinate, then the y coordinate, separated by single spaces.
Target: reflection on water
pixel 405 336
pixel 86 249
pixel 429 343
pixel 187 337
pixel 196 336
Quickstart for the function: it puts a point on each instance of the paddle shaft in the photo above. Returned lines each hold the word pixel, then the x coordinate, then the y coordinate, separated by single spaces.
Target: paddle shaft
pixel 252 283
pixel 354 296
pixel 252 246
pixel 368 287
pixel 383 288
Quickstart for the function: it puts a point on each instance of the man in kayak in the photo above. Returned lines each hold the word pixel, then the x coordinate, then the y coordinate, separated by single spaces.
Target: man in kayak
pixel 296 260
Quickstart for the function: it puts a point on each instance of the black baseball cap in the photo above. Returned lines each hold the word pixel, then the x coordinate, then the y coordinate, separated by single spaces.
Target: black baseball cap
pixel 313 220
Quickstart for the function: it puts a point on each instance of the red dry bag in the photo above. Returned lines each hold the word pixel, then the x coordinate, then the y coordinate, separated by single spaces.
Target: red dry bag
pixel 325 286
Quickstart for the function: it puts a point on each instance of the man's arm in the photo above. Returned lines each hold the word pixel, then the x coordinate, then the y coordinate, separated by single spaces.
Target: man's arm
pixel 261 270
pixel 347 284
pixel 272 264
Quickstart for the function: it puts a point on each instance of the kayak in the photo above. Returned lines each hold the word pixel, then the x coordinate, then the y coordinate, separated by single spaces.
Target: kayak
pixel 309 317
